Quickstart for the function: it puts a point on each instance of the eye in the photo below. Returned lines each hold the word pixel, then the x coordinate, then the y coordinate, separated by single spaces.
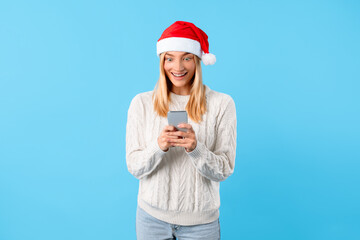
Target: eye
pixel 169 59
pixel 187 58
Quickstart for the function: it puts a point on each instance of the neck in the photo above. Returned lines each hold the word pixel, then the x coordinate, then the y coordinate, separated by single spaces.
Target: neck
pixel 180 90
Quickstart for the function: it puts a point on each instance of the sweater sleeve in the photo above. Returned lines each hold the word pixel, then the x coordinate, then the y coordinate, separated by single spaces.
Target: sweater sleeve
pixel 141 158
pixel 219 164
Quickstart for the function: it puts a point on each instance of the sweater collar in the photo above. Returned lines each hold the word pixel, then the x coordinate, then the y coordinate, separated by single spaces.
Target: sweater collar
pixel 186 97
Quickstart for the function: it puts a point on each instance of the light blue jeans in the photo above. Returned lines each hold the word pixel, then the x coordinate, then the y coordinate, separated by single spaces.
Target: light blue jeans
pixel 150 228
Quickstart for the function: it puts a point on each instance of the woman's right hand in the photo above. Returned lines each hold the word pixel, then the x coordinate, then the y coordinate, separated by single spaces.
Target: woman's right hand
pixel 164 138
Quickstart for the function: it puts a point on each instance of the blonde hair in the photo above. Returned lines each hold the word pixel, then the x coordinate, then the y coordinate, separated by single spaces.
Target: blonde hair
pixel 196 105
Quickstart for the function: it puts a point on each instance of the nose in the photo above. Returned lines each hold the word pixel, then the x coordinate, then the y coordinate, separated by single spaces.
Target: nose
pixel 179 66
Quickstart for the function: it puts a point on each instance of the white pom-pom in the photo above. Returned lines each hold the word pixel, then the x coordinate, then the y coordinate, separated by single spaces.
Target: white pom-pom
pixel 208 58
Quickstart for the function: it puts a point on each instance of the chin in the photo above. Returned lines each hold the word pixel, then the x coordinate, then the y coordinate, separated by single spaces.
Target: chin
pixel 177 83
pixel 180 85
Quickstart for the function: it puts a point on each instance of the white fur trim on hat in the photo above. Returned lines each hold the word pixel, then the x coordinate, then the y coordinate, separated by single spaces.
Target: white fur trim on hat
pixel 178 44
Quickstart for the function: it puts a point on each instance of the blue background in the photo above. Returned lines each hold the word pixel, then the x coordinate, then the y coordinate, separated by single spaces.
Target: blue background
pixel 69 69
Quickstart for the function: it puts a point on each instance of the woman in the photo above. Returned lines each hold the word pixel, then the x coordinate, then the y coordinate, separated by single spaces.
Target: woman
pixel 179 172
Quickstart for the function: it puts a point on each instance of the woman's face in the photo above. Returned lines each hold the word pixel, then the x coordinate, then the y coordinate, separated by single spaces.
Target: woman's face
pixel 180 69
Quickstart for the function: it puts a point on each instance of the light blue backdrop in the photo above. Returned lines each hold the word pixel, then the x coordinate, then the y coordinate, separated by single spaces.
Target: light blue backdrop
pixel 69 69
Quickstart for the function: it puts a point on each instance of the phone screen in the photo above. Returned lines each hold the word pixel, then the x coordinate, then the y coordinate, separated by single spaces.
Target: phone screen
pixel 177 117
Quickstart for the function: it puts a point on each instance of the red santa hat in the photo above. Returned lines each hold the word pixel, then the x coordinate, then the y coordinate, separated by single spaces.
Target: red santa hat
pixel 185 37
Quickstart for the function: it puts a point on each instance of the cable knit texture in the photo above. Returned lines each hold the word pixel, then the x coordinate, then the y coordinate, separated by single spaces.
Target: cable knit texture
pixel 176 186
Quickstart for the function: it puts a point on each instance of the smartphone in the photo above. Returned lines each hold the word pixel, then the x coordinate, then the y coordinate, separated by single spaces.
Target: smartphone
pixel 177 117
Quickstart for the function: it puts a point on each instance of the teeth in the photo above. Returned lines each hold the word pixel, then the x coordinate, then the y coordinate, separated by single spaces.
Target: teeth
pixel 179 75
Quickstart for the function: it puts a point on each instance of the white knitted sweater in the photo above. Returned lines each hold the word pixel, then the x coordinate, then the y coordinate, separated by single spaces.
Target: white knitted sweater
pixel 176 186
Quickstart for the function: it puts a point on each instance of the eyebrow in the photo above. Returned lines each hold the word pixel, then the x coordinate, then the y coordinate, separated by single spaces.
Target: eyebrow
pixel 168 54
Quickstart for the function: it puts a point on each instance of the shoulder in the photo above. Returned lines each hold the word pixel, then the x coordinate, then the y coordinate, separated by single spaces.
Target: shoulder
pixel 142 97
pixel 218 98
pixel 222 107
pixel 141 100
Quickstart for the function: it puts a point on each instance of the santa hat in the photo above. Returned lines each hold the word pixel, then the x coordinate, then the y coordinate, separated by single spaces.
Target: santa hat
pixel 186 37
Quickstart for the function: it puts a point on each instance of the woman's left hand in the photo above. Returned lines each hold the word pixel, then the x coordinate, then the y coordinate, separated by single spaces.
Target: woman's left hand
pixel 185 139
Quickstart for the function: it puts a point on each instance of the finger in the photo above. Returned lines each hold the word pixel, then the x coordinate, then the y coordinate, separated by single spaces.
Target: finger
pixel 178 141
pixel 185 125
pixel 169 128
pixel 167 139
pixel 184 145
pixel 178 133
pixel 172 137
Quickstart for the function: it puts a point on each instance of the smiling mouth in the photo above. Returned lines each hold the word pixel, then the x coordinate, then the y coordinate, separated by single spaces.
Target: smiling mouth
pixel 178 75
